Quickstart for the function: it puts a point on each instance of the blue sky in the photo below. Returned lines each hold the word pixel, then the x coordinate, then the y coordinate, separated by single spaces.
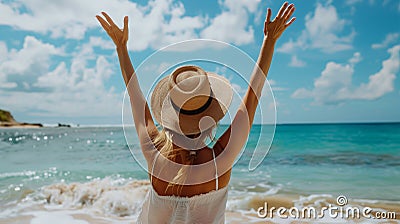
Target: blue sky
pixel 339 61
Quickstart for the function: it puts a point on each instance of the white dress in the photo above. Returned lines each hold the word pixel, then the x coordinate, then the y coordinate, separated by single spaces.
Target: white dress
pixel 208 208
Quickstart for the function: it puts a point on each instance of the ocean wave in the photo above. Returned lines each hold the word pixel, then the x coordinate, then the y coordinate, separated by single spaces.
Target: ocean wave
pixel 112 197
pixel 106 196
pixel 117 198
pixel 18 174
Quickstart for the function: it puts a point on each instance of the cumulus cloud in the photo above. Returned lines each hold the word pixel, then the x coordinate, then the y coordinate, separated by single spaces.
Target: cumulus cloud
pixel 389 39
pixel 323 31
pixel 4 83
pixel 156 24
pixel 69 19
pixel 335 83
pixel 382 82
pixel 296 62
pixel 72 19
pixel 66 90
pixel 19 68
pixel 232 24
pixel 355 59
pixel 154 30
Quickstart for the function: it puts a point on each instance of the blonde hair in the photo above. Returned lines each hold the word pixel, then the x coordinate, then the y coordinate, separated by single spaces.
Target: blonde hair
pixel 163 142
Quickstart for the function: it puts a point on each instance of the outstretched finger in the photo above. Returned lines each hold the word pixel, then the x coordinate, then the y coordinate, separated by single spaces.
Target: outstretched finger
pixel 269 14
pixel 126 27
pixel 108 18
pixel 282 10
pixel 290 22
pixel 288 11
pixel 103 23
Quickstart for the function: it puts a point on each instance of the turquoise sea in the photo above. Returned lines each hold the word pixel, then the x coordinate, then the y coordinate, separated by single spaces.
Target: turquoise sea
pixel 58 173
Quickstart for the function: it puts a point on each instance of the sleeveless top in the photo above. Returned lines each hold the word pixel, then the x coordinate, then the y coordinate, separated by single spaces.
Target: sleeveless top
pixel 206 208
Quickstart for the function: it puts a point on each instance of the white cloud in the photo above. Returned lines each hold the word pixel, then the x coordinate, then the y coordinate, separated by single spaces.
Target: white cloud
pixel 292 45
pixel 355 59
pixel 323 30
pixel 88 50
pixel 232 24
pixel 102 43
pixel 335 83
pixel 156 24
pixel 69 19
pixel 149 26
pixel 3 50
pixel 389 39
pixel 66 91
pixel 4 83
pixel 382 82
pixel 17 67
pixel 153 30
pixel 274 87
pixel 296 62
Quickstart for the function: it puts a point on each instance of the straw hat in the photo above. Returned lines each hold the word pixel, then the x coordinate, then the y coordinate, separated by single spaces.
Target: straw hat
pixel 186 100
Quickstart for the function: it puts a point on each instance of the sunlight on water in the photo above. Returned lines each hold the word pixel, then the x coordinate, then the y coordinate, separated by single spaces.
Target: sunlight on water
pixel 92 168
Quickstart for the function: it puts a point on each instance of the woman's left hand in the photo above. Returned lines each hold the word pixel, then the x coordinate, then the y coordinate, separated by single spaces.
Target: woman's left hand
pixel 276 27
pixel 119 36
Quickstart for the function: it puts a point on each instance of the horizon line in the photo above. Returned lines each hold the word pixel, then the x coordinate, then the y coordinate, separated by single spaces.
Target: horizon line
pixel 283 123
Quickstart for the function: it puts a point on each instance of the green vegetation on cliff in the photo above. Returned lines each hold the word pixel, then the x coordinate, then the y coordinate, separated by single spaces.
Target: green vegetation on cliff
pixel 7 120
pixel 6 116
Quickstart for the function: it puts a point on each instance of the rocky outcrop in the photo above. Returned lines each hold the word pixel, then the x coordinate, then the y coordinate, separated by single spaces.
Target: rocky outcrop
pixel 7 120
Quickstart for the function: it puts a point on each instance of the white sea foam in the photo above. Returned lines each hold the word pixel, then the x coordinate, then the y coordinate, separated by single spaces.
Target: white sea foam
pixel 108 197
pixel 60 217
pixel 119 200
pixel 243 200
pixel 18 174
pixel 105 196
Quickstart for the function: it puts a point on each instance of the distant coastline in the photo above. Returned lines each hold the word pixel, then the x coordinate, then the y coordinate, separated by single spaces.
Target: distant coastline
pixel 7 120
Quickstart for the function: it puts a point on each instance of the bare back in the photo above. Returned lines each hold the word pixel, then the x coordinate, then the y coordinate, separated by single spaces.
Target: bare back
pixel 203 155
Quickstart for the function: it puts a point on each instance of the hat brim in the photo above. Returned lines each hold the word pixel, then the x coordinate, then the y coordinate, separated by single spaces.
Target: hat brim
pixel 169 118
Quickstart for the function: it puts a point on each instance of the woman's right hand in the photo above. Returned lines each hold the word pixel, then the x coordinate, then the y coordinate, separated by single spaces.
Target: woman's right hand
pixel 119 36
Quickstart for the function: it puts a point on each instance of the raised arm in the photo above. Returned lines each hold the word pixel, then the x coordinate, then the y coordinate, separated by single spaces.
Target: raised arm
pixel 140 109
pixel 236 135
